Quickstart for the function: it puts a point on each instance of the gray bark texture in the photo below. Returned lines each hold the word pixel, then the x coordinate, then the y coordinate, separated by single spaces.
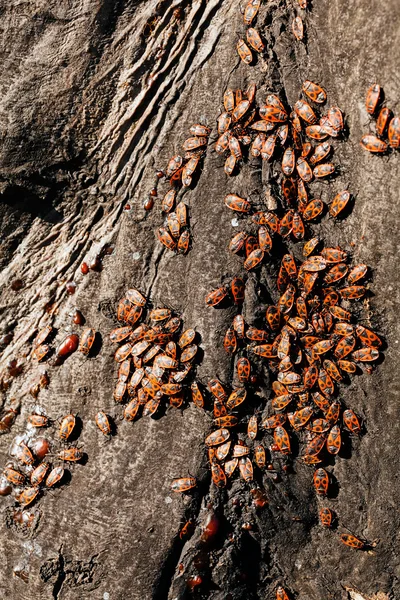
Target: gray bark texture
pixel 96 95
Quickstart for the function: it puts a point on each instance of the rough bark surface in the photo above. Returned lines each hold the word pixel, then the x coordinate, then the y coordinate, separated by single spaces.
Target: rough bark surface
pixel 93 100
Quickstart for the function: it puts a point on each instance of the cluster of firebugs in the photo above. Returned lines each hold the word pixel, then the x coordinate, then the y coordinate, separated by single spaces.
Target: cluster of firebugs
pixel 309 337
pixel 278 132
pixel 156 359
pixel 311 341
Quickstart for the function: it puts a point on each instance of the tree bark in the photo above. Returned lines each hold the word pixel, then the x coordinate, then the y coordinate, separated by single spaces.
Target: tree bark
pixel 95 97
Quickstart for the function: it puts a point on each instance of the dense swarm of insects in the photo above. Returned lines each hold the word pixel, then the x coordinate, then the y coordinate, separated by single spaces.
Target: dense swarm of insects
pixel 309 340
pixel 156 359
pixel 312 344
pixel 387 125
pixel 298 138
